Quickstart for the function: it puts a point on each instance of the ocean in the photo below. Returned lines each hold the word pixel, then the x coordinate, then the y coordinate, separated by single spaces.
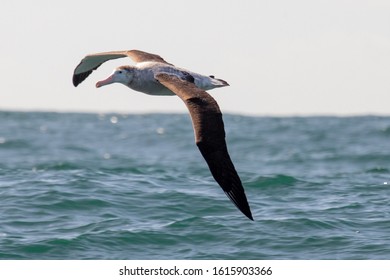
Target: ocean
pixel 117 186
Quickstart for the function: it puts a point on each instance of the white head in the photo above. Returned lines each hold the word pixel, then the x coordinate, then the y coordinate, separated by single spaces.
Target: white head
pixel 122 74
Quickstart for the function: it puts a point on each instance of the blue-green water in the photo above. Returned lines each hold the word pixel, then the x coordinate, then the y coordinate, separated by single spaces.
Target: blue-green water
pixel 88 186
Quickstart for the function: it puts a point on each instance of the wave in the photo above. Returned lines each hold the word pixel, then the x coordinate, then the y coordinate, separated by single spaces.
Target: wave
pixel 272 181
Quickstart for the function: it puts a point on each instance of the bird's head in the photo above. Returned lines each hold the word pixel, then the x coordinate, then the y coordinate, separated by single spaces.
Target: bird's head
pixel 122 74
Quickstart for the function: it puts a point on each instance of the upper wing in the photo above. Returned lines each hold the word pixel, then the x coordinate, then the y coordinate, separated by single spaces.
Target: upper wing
pixel 140 56
pixel 93 61
pixel 210 137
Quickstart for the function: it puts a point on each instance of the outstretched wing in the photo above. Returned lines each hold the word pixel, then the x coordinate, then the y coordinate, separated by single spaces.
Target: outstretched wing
pixel 210 137
pixel 140 56
pixel 93 61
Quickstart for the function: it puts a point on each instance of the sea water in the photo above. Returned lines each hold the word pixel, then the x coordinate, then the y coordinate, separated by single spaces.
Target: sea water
pixel 112 186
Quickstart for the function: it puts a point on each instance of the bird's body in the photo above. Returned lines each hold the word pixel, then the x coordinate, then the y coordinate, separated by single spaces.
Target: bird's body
pixel 141 76
pixel 153 75
pixel 145 73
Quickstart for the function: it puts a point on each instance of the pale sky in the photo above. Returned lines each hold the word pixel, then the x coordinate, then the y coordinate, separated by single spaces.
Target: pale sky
pixel 302 57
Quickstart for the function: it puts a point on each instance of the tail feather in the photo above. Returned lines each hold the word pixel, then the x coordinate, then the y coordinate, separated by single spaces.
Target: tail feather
pixel 217 82
pixel 208 82
pixel 224 83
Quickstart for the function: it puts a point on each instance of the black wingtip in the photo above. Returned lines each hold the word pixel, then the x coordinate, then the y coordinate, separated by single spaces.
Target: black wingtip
pixel 79 78
pixel 240 201
pixel 247 212
pixel 75 81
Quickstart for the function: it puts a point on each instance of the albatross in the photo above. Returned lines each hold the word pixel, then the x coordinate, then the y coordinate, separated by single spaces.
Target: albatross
pixel 152 75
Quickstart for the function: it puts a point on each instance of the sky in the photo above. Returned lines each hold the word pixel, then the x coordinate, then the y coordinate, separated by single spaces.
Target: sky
pixel 280 57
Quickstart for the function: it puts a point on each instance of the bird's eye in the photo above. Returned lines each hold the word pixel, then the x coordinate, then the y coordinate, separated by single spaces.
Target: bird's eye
pixel 120 72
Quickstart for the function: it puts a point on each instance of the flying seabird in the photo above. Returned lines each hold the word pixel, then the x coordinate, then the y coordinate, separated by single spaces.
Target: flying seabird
pixel 153 75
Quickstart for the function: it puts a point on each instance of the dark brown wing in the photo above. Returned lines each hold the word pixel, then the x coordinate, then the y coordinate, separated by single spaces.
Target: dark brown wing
pixel 93 61
pixel 210 137
pixel 140 56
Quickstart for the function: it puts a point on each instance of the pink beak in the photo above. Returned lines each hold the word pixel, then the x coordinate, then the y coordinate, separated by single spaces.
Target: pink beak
pixel 105 82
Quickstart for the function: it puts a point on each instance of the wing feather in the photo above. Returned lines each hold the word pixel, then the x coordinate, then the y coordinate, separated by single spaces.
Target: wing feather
pixel 210 137
pixel 140 56
pixel 92 61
